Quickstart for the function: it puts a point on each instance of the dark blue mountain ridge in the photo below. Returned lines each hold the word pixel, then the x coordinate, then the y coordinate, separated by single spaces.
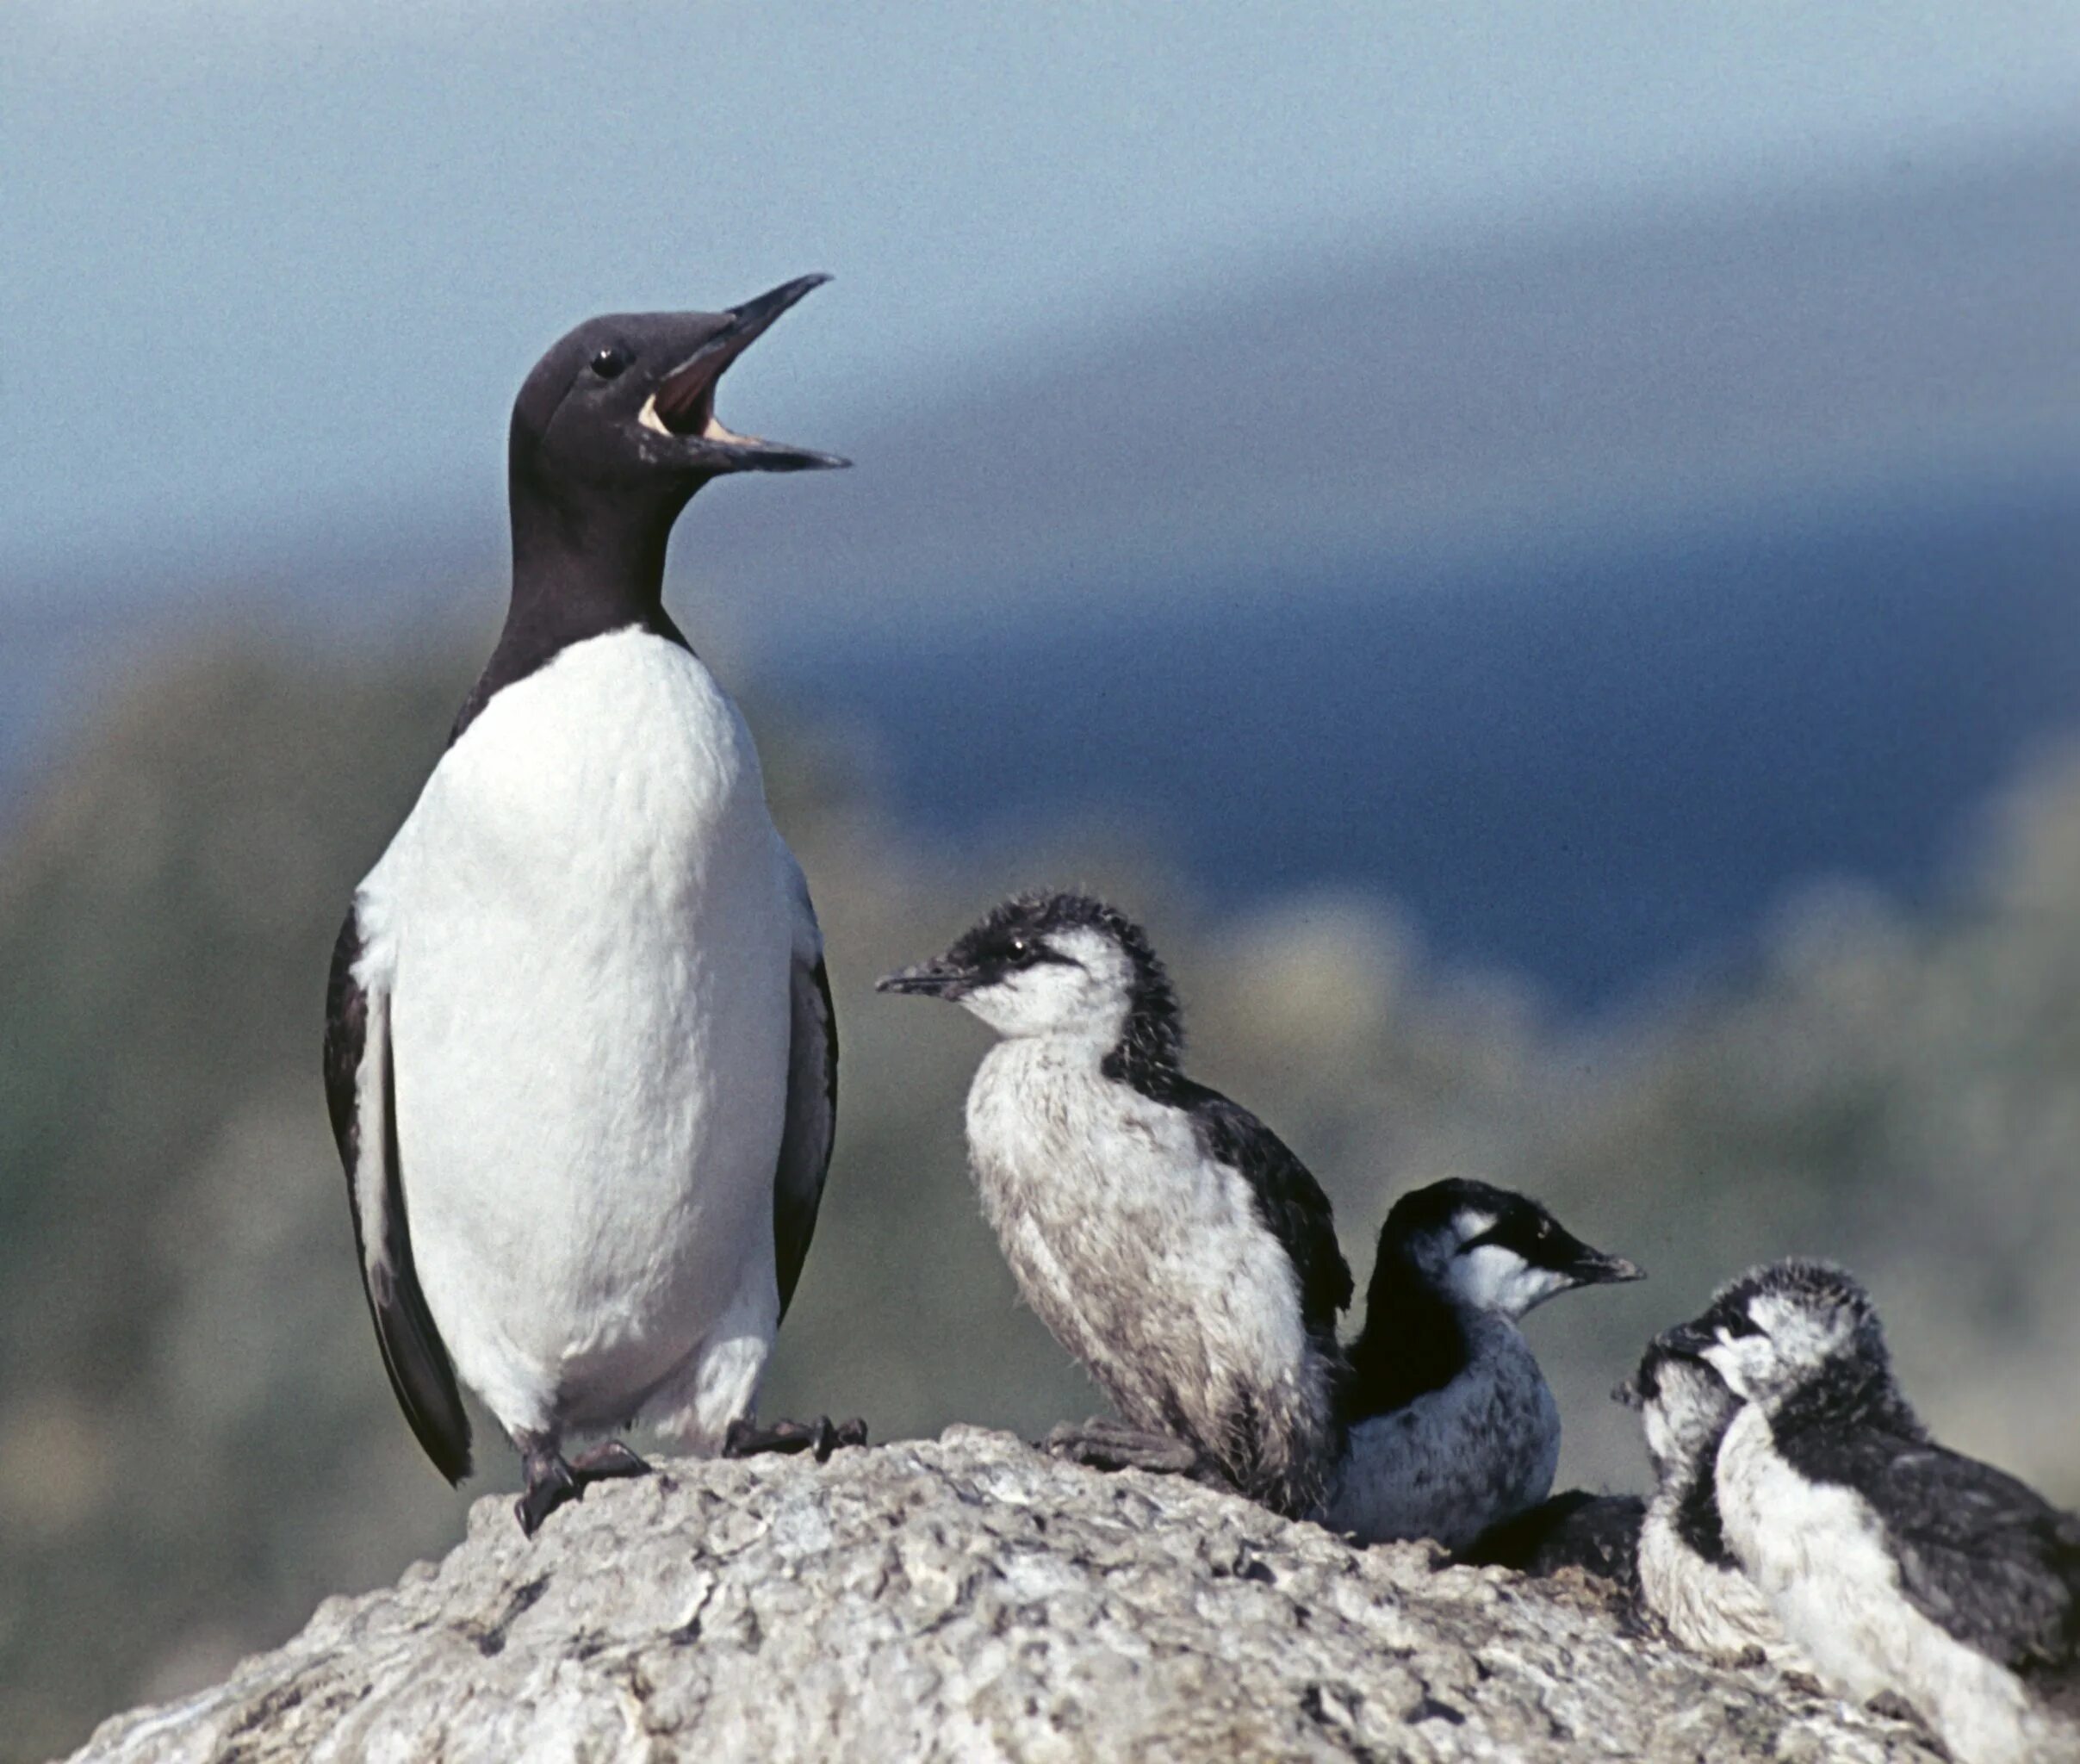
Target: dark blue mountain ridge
pixel 1804 349
pixel 1587 767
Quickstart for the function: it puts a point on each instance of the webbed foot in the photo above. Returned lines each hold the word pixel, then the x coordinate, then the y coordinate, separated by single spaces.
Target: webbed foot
pixel 748 1439
pixel 607 1461
pixel 552 1478
pixel 1101 1443
pixel 550 1482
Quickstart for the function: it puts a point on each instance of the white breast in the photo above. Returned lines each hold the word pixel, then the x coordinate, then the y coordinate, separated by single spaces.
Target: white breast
pixel 592 936
pixel 1709 1607
pixel 1144 1256
pixel 1817 1554
pixel 1459 1459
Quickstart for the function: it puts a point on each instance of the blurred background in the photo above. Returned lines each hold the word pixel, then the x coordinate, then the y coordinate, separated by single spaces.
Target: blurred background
pixel 1535 545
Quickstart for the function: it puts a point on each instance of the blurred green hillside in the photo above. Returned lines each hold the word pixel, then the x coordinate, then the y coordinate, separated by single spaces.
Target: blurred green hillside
pixel 197 1442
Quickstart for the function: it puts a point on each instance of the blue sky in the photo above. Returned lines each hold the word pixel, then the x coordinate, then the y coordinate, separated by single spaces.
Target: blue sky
pixel 275 270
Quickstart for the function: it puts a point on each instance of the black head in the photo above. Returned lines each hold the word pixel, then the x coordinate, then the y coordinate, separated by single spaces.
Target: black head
pixel 1489 1248
pixel 1783 1325
pixel 1051 964
pixel 620 416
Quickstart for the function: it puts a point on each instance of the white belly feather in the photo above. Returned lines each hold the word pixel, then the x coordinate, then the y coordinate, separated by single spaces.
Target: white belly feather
pixel 1709 1607
pixel 1455 1460
pixel 1144 1256
pixel 1819 1555
pixel 592 942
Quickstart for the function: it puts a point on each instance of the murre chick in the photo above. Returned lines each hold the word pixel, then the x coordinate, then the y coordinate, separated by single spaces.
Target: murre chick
pixel 1452 1428
pixel 1169 1238
pixel 1896 1565
pixel 579 1052
pixel 1687 1576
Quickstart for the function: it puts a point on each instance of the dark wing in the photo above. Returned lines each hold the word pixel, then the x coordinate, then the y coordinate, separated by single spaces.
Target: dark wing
pixel 812 1099
pixel 359 1089
pixel 1289 1200
pixel 1598 1533
pixel 1980 1553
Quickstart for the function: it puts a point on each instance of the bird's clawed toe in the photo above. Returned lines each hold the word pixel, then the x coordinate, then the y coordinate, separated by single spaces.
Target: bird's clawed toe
pixel 745 1438
pixel 607 1461
pixel 550 1482
pixel 552 1478
pixel 1103 1444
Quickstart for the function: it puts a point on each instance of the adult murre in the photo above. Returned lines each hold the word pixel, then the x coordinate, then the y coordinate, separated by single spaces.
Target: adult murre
pixel 1687 1576
pixel 579 1052
pixel 1170 1240
pixel 1451 1427
pixel 1894 1564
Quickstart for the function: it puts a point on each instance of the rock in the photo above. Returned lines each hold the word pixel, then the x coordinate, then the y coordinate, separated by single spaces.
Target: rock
pixel 971 1599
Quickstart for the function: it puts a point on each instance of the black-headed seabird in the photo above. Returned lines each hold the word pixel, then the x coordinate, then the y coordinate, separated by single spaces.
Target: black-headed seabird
pixel 1688 1578
pixel 1170 1241
pixel 1896 1565
pixel 579 1050
pixel 1452 1428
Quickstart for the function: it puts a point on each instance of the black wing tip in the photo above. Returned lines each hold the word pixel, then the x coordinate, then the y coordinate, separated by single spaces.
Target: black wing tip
pixel 445 1441
pixel 458 1470
pixel 426 1392
pixel 794 1208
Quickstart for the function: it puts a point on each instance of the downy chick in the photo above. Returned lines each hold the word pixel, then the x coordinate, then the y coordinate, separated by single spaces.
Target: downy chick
pixel 1170 1241
pixel 1894 1564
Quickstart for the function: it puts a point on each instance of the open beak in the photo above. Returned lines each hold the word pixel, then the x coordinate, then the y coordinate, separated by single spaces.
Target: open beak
pixel 683 406
pixel 938 978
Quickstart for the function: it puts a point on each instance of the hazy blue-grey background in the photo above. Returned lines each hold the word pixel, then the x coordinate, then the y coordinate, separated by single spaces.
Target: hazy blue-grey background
pixel 1537 545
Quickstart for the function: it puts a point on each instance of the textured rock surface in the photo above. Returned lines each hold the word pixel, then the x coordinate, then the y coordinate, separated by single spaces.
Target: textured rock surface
pixel 964 1598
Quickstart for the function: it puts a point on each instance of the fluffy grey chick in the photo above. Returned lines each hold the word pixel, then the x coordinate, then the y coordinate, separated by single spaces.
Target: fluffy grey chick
pixel 1896 1565
pixel 1170 1240
pixel 1687 1576
pixel 1452 1427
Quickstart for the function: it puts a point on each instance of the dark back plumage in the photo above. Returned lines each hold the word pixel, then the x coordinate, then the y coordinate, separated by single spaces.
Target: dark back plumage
pixel 1597 1533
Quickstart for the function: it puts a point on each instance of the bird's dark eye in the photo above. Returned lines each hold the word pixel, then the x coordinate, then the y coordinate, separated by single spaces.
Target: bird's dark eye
pixel 1740 1324
pixel 1019 949
pixel 609 362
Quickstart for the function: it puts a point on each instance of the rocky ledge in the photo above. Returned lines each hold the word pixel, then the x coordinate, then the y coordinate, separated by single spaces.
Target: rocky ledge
pixel 968 1597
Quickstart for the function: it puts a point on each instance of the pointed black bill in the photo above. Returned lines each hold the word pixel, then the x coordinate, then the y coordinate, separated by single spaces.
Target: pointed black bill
pixel 1593 1268
pixel 939 979
pixel 683 405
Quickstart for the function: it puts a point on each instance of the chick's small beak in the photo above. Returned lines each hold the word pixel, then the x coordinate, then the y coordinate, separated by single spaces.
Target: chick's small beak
pixel 1690 1338
pixel 938 978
